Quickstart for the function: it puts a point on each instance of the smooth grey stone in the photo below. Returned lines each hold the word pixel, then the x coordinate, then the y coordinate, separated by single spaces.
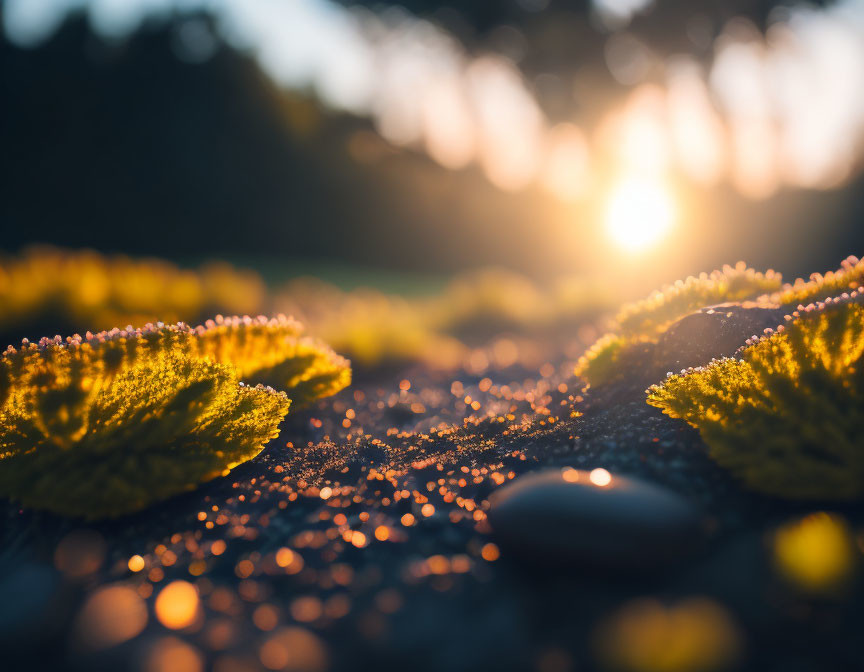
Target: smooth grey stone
pixel 560 517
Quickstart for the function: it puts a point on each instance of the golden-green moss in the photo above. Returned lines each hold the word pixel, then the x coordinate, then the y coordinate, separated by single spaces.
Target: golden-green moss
pixel 787 414
pixel 602 363
pixel 106 424
pixel 273 351
pixel 85 289
pixel 663 307
pixel 820 287
pixel 645 320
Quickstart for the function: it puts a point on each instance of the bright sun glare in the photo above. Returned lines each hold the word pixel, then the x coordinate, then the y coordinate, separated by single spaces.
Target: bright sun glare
pixel 639 213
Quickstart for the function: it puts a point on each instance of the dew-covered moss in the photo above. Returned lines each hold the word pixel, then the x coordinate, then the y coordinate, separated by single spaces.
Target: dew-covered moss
pixel 820 287
pixel 273 351
pixel 106 424
pixel 786 415
pixel 645 320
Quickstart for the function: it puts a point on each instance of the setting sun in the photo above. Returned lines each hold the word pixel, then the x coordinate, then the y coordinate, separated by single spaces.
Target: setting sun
pixel 639 213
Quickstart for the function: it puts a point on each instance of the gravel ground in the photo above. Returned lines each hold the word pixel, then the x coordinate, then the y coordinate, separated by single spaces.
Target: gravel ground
pixel 379 496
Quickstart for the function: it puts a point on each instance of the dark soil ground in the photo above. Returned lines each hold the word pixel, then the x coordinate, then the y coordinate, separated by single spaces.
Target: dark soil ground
pixel 432 595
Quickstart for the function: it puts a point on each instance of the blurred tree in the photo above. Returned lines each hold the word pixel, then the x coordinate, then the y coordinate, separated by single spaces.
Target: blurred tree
pixel 126 146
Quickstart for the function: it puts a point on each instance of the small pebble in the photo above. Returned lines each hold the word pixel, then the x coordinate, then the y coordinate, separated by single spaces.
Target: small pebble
pixel 561 517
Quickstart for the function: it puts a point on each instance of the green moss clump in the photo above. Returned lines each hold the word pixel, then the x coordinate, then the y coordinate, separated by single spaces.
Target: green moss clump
pixel 786 415
pixel 605 360
pixel 273 351
pixel 819 287
pixel 110 423
pixel 733 283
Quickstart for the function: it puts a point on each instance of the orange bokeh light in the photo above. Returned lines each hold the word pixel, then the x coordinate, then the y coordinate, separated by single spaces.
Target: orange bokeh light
pixel 177 605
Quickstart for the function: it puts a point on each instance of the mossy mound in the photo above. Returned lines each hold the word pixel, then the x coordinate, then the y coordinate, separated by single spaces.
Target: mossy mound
pixel 107 424
pixel 785 414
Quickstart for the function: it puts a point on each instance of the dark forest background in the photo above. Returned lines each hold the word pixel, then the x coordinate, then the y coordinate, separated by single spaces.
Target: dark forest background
pixel 126 147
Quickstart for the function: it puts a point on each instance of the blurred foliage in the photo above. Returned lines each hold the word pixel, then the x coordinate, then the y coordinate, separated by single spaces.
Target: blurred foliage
pixel 480 304
pixel 816 553
pixel 107 424
pixel 55 290
pixel 77 290
pixel 643 321
pixel 786 415
pixel 371 327
pixel 488 301
pixel 695 635
pixel 376 328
